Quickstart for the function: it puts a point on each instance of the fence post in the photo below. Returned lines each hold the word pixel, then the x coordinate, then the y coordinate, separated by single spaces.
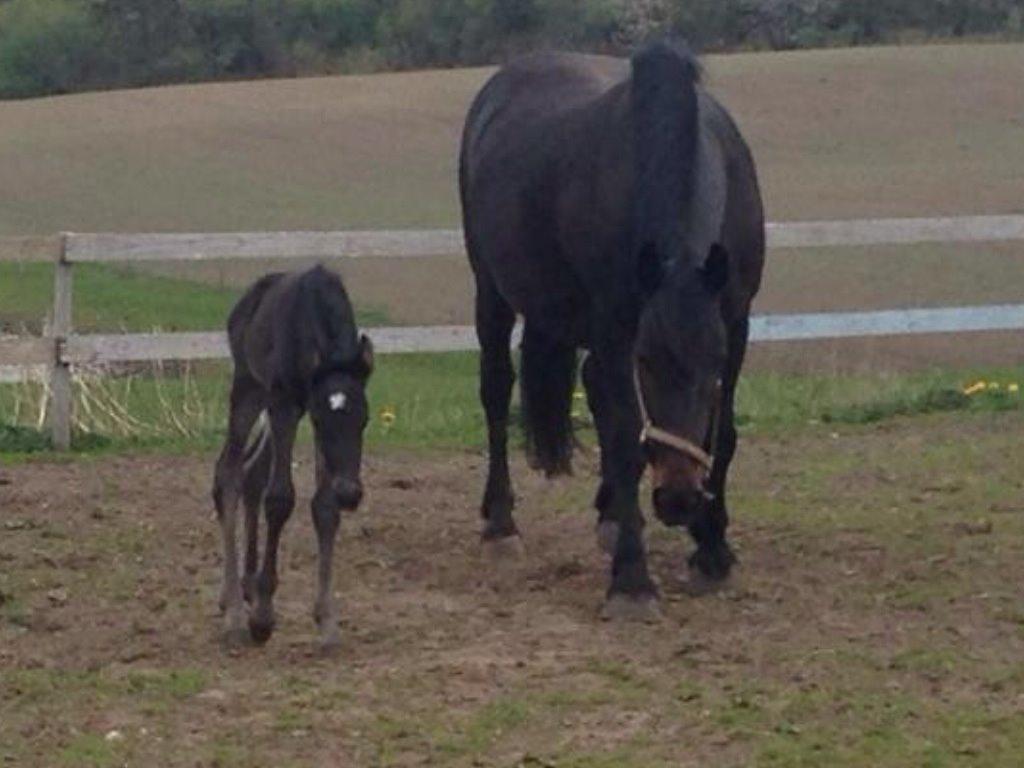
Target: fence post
pixel 60 376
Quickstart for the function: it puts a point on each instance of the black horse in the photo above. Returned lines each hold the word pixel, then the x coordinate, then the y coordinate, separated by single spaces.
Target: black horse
pixel 295 348
pixel 615 206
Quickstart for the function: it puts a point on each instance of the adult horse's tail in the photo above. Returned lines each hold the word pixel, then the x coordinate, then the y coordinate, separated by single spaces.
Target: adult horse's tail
pixel 666 127
pixel 547 381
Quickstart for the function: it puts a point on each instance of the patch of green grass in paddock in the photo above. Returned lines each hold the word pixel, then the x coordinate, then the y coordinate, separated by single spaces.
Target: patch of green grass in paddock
pixel 862 719
pixel 117 298
pixel 50 695
pixel 431 401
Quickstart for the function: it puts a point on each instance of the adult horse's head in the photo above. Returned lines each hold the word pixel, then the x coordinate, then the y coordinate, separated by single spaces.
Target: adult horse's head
pixel 681 354
pixel 339 412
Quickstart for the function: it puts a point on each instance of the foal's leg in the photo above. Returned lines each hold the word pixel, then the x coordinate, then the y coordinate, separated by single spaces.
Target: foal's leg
pixel 245 406
pixel 631 594
pixel 714 558
pixel 494 322
pixel 257 473
pixel 279 503
pixel 326 520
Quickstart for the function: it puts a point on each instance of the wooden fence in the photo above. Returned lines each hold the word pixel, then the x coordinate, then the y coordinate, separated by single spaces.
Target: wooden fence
pixel 62 348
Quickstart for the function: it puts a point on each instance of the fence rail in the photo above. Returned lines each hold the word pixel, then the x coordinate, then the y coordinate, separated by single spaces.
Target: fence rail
pixel 61 348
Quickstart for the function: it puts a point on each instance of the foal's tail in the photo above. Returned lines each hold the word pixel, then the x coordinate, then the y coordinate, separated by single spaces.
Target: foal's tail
pixel 547 380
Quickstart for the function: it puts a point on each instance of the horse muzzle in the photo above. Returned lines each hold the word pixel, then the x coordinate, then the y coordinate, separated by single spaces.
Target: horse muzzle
pixel 676 508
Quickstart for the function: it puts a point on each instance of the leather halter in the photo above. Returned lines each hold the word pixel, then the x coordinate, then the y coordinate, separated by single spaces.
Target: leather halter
pixel 650 433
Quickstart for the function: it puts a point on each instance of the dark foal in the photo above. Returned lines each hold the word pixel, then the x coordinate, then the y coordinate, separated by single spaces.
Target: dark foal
pixel 295 348
pixel 614 206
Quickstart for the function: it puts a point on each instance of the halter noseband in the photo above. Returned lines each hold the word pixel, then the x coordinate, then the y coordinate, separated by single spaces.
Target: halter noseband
pixel 650 433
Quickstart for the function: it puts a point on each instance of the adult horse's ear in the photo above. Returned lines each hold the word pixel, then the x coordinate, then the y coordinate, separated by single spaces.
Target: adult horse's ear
pixel 365 356
pixel 650 271
pixel 715 271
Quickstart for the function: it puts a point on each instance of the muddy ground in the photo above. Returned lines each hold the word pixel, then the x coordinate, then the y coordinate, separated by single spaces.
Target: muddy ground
pixel 877 618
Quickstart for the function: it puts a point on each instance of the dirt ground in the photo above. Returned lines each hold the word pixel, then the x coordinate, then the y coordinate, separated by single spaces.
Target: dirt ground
pixel 877 618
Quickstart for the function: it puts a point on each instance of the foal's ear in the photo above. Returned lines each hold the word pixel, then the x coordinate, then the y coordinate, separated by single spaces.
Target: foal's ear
pixel 715 271
pixel 365 359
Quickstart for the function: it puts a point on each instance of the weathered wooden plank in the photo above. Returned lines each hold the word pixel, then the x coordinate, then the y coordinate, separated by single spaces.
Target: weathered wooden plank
pixel 25 351
pixel 15 374
pixel 263 245
pixel 961 229
pixel 423 243
pixel 899 322
pixel 46 248
pixel 100 349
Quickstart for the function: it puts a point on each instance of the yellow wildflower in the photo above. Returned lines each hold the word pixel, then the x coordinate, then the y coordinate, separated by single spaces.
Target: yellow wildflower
pixel 975 388
pixel 387 416
pixel 1013 388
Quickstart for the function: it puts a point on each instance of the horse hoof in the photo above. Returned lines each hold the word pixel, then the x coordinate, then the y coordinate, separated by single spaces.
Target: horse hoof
pixel 330 642
pixel 710 569
pixel 261 626
pixel 607 536
pixel 629 608
pixel 235 633
pixel 698 584
pixel 505 548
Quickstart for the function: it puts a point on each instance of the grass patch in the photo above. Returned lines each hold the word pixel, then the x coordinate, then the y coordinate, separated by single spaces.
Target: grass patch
pixel 90 749
pixel 431 401
pixel 118 298
pixel 486 726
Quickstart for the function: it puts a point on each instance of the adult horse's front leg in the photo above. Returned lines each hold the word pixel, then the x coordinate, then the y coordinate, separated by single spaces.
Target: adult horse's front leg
pixel 279 503
pixel 245 406
pixel 494 322
pixel 714 558
pixel 608 377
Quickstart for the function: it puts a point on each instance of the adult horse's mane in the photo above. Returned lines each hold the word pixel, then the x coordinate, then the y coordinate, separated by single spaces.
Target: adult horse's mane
pixel 666 132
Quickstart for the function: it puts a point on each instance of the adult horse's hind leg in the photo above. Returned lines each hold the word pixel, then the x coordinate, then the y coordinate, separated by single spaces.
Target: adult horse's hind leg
pixel 326 520
pixel 714 557
pixel 607 525
pixel 245 406
pixel 494 322
pixel 257 473
pixel 279 503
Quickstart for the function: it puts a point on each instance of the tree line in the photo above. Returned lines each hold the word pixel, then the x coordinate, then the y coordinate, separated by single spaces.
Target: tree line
pixel 60 46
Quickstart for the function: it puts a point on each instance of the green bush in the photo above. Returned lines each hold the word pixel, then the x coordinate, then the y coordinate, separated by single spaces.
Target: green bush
pixel 47 46
pixel 55 46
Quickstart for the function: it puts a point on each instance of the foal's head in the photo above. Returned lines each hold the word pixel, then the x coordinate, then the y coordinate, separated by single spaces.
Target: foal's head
pixel 680 360
pixel 339 412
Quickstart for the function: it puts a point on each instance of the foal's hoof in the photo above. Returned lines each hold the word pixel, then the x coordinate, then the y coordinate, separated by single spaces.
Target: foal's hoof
pixel 261 625
pixel 631 608
pixel 505 548
pixel 330 642
pixel 235 633
pixel 607 536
